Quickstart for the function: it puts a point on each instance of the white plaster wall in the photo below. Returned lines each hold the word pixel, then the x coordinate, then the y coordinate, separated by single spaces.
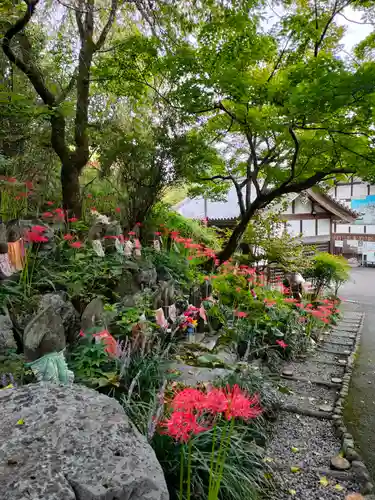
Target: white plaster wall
pixel 293 227
pixel 302 208
pixel 343 192
pixel 354 229
pixel 342 228
pixel 324 226
pixel 308 227
pixel 359 190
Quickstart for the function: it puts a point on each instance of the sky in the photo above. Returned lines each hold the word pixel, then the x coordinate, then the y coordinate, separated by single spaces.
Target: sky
pixel 354 32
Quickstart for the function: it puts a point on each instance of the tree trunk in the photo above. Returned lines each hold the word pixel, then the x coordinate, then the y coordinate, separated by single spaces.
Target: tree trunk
pixel 71 192
pixel 237 234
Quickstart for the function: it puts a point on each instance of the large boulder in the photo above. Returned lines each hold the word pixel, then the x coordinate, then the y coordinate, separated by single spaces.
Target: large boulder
pixel 65 309
pixel 6 334
pixel 43 335
pixel 72 443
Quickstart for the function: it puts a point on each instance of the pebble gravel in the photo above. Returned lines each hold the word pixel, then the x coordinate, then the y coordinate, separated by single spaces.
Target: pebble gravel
pixel 307 443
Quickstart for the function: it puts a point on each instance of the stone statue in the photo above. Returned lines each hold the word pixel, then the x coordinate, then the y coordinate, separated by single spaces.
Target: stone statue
pixel 296 281
pixel 5 266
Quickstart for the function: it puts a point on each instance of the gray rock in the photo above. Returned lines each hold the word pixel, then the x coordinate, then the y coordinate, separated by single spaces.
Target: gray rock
pixel 340 463
pixel 75 444
pixel 93 314
pixel 147 277
pixel 44 334
pixel 326 408
pixel 335 380
pixel 65 309
pixel 287 372
pixel 6 334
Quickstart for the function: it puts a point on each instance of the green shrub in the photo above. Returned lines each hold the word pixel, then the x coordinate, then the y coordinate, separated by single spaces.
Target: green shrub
pixel 328 270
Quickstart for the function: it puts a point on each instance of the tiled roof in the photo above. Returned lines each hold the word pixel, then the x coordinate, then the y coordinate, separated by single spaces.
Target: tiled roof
pixel 198 208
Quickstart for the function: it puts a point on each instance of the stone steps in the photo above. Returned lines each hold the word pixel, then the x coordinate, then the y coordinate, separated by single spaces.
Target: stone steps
pixel 305 441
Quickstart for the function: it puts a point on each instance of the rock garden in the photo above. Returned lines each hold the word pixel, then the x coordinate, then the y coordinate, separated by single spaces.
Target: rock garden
pixel 133 367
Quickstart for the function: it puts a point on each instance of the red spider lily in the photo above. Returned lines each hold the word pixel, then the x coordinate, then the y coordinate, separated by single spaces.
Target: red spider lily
pixel 240 314
pixel 290 300
pixel 49 203
pixel 17 198
pixel 76 244
pixel 139 224
pixel 182 425
pixel 39 229
pixel 206 278
pixel 47 214
pixel 302 319
pixel 131 233
pixel 189 399
pixel 118 209
pixel 121 238
pixel 34 237
pixel 29 184
pixel 73 219
pixel 59 210
pixel 191 257
pixel 89 195
pixel 298 304
pixel 240 405
pixel 157 233
pixel 238 289
pixel 110 237
pixel 81 333
pixel 68 237
pixel 282 344
pixel 11 179
pixel 216 401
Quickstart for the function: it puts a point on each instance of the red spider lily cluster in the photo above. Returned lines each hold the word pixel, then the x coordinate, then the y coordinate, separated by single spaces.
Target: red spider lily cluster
pixel 35 235
pixel 322 312
pixel 195 411
pixel 282 344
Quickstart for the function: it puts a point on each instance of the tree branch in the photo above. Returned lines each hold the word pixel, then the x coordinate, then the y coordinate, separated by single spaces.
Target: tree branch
pixel 29 70
pixel 336 11
pixel 65 92
pixel 103 35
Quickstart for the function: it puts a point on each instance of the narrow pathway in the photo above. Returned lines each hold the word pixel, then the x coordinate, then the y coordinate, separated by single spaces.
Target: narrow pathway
pixel 305 453
pixel 360 411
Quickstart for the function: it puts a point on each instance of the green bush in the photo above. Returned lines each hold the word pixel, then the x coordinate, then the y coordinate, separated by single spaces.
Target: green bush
pixel 328 270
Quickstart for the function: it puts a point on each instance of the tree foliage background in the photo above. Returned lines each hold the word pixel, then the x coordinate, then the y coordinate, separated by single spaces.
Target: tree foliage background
pixel 211 94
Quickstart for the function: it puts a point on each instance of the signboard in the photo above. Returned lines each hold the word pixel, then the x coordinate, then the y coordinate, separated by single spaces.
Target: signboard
pixel 339 243
pixel 365 207
pixel 349 236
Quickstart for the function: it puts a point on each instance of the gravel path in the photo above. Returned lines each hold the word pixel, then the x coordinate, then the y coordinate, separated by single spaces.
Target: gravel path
pixel 302 446
pixel 308 444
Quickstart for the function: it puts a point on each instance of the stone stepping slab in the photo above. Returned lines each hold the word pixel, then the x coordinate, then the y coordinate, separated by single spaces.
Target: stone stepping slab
pixel 307 444
pixel 305 394
pixel 315 370
pixel 332 342
pixel 341 335
pixel 331 355
pixel 338 339
pixel 347 330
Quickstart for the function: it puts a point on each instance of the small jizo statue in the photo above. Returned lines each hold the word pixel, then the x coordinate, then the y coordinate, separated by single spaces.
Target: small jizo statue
pixel 296 281
pixel 5 265
pixel 128 248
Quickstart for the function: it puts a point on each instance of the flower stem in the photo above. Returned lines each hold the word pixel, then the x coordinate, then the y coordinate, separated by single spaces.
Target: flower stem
pixel 182 473
pixel 222 461
pixel 212 487
pixel 212 458
pixel 190 452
